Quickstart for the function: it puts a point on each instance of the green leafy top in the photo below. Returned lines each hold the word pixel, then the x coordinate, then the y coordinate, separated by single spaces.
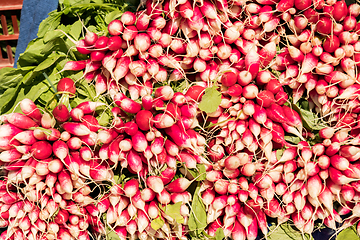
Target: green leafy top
pixel 197 220
pixel 210 100
pixel 173 211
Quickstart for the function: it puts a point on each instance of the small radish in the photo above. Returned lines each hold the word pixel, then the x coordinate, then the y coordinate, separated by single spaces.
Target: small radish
pixel 76 129
pixel 195 92
pixel 60 149
pixel 29 108
pixel 41 150
pixel 155 183
pixel 265 98
pixel 61 113
pixel 134 161
pixel 179 185
pixel 66 85
pixel 21 121
pixel 65 181
pixel 115 27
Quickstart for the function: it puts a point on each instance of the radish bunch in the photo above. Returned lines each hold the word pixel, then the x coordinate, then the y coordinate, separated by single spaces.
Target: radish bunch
pixel 45 191
pixel 130 210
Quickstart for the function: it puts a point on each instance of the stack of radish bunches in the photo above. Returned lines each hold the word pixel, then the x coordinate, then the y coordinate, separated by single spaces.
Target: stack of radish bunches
pixel 255 63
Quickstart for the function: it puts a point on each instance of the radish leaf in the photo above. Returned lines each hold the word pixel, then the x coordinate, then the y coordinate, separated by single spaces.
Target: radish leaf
pixel 173 210
pixel 197 220
pixel 49 23
pixel 311 120
pixel 286 231
pixel 292 139
pixel 113 236
pixel 112 15
pixel 279 153
pixel 200 170
pixel 157 223
pixel 9 77
pixel 348 233
pixel 219 234
pixel 210 100
pixel 76 29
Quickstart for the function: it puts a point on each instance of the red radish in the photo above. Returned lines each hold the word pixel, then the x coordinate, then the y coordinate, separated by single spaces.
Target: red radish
pixel 29 108
pixel 114 44
pixel 250 91
pixel 179 185
pixel 139 142
pixel 155 183
pixel 106 136
pixel 90 38
pixel 115 27
pixel 131 128
pixel 265 98
pixel 238 232
pixel 73 164
pixel 129 105
pixel 195 92
pixel 65 181
pixel 99 171
pixel 163 121
pixel 89 107
pixel 171 148
pixel 25 137
pixel 228 79
pixel 41 150
pixel 74 143
pixel 178 135
pixel 21 121
pixel 143 119
pixel 134 161
pixel 55 166
pixel 165 93
pixel 164 197
pixel 276 113
pixel 121 68
pixel 252 62
pixel 339 162
pixel 196 22
pixel 76 129
pixel 128 18
pixel 76 65
pixel 101 43
pixel 66 85
pixel 61 113
pixel 76 114
pixel 187 159
pixel 338 178
pixel 60 149
pixel 91 122
pixel 324 25
pixel 221 186
pixel 9 130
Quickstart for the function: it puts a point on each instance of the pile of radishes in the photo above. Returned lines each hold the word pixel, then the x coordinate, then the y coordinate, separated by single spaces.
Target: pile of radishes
pixel 65 176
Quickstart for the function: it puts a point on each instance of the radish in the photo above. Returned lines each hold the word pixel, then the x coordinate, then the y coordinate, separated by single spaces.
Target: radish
pixel 41 150
pixel 252 62
pixel 76 129
pixel 66 85
pixel 134 161
pixel 179 185
pixel 155 183
pixel 29 108
pixel 21 121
